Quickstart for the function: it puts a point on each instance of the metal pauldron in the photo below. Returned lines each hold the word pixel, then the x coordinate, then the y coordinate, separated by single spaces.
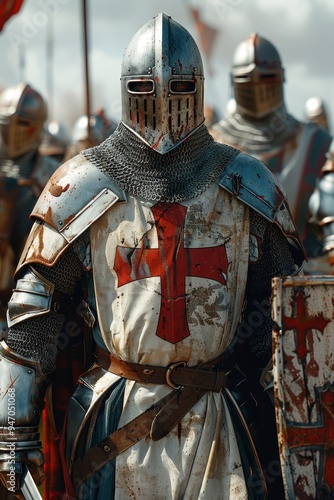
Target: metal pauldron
pixel 31 297
pixel 22 390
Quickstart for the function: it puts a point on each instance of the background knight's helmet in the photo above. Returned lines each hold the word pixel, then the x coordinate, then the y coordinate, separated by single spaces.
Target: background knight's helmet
pixel 55 140
pixel 100 128
pixel 23 112
pixel 162 84
pixel 316 112
pixel 257 77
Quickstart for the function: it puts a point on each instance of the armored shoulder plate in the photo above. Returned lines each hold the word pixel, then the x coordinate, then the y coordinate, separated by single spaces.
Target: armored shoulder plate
pixel 252 182
pixel 75 196
pixel 249 180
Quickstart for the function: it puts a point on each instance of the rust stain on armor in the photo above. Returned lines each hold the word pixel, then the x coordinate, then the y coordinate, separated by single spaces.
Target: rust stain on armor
pixel 56 190
pixel 48 218
pixel 156 144
pixel 180 132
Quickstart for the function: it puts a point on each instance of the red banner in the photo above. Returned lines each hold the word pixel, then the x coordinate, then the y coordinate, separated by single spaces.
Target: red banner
pixel 7 9
pixel 206 33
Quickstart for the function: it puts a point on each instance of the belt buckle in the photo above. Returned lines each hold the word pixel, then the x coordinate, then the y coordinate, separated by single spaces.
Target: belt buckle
pixel 169 371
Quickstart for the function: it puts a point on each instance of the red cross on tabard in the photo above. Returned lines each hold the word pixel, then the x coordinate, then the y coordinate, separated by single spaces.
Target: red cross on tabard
pixel 302 323
pixel 318 435
pixel 172 262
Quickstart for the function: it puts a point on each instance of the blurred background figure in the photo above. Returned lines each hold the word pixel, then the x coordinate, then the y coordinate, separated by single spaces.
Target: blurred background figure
pixel 211 115
pixel 316 112
pixel 231 107
pixel 321 206
pixel 100 128
pixel 23 174
pixel 55 141
pixel 261 126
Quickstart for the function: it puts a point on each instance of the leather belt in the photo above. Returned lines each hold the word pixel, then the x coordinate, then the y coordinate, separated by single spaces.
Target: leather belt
pixel 189 385
pixel 176 375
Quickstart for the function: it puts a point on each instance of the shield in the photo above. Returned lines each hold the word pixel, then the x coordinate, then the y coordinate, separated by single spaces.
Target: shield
pixel 303 362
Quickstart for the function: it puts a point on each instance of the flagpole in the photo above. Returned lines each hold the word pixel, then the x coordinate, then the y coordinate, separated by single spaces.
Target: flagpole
pixel 22 63
pixel 87 88
pixel 49 70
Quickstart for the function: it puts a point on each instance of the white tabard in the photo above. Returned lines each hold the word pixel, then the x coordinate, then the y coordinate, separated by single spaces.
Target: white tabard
pixel 169 283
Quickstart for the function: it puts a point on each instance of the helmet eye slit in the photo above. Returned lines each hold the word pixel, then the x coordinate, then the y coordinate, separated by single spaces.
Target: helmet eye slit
pixel 182 87
pixel 140 86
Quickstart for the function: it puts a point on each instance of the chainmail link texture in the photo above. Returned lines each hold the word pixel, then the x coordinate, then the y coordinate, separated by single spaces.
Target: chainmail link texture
pixel 256 136
pixel 275 260
pixel 36 338
pixel 179 175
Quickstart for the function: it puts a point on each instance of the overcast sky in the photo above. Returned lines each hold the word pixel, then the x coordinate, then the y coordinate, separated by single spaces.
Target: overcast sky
pixel 301 30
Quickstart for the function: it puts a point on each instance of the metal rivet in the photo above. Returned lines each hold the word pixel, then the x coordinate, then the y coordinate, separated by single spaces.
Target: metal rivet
pixel 106 448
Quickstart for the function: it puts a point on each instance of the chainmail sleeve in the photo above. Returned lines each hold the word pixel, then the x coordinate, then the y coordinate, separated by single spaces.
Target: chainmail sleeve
pixel 270 256
pixel 37 338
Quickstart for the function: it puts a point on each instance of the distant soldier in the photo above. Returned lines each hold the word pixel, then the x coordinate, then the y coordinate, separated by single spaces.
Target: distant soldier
pixel 261 126
pixel 100 128
pixel 23 174
pixel 316 112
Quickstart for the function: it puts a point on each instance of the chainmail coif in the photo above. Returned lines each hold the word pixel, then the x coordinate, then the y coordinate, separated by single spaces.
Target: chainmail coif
pixel 181 174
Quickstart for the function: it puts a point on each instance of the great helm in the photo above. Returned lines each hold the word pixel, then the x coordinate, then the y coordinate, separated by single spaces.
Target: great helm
pixel 162 84
pixel 23 112
pixel 257 76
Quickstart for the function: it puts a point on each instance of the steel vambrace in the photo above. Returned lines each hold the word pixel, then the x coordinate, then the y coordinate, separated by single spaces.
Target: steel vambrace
pixel 22 391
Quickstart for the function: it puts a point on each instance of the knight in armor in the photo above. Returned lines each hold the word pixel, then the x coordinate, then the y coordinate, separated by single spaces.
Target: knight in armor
pixel 23 175
pixel 166 243
pixel 261 126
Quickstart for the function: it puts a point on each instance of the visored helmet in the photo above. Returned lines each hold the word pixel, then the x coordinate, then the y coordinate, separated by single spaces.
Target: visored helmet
pixel 257 77
pixel 23 112
pixel 162 84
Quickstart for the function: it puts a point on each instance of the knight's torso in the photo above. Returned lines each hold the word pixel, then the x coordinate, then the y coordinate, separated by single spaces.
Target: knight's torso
pixel 167 254
pixel 177 264
pixel 171 273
